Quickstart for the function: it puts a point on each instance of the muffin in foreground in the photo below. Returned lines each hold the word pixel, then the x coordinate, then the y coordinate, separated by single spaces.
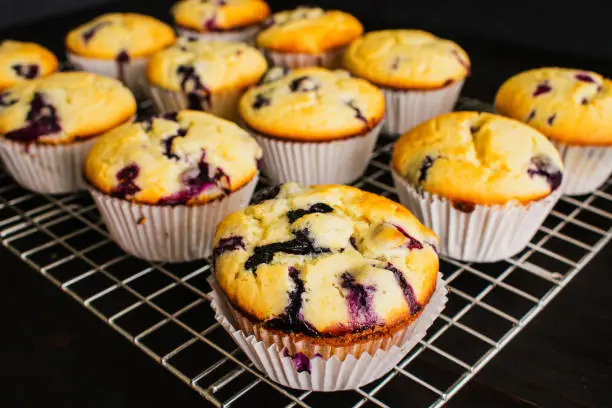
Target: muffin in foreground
pixel 308 36
pixel 420 74
pixel 315 126
pixel 573 108
pixel 118 45
pixel 204 75
pixel 47 125
pixel 326 272
pixel 23 61
pixel 226 20
pixel 163 184
pixel 484 183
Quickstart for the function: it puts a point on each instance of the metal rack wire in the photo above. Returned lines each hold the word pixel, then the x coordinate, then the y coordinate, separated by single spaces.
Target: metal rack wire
pixel 163 310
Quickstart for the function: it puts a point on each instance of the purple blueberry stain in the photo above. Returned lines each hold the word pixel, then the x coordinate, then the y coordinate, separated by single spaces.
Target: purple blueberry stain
pixel 358 113
pixel 428 161
pixel 320 208
pixel 147 124
pixel 167 144
pixel 551 119
pixel 412 243
pixel 42 120
pixel 542 166
pixel 583 77
pixel 26 71
pixel 301 361
pixel 198 101
pixel 407 290
pixel 541 89
pixel 126 186
pixel 5 101
pixel 261 101
pixel 353 243
pixel 530 116
pixel 584 102
pixel 303 84
pixel 359 300
pixel 229 244
pixel 90 32
pixel 198 94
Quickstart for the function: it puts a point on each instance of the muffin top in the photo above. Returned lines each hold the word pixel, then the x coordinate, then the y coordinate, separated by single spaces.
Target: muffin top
pixel 118 34
pixel 180 158
pixel 312 104
pixel 209 66
pixel 407 59
pixel 219 15
pixel 326 261
pixel 22 61
pixel 64 107
pixel 568 105
pixel 309 30
pixel 478 158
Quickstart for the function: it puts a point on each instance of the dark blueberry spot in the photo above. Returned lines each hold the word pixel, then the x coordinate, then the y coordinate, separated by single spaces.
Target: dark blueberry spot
pixel 541 89
pixel 585 78
pixel 41 120
pixel 302 363
pixel 358 113
pixel 261 101
pixel 167 144
pixel 412 243
pixel 551 119
pixel 303 84
pixel 425 166
pixel 127 186
pixel 198 101
pixel 258 163
pixel 122 59
pixel 295 215
pixel 191 82
pixel 359 299
pixel 89 33
pixel 292 320
pixel 27 71
pixel 353 243
pixel 407 290
pixel 531 116
pixel 543 167
pixel 192 39
pixel 211 24
pixel 4 100
pixel 464 63
pixel 302 244
pixel 196 181
pixel 584 101
pixel 147 124
pixel 599 88
pixel 226 245
pixel 395 63
pixel 268 194
pixel 463 206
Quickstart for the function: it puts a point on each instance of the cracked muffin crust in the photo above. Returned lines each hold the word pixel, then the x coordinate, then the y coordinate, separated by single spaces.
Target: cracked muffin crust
pixel 23 61
pixel 407 59
pixel 331 263
pixel 179 158
pixel 312 104
pixel 219 15
pixel 478 158
pixel 567 105
pixel 64 107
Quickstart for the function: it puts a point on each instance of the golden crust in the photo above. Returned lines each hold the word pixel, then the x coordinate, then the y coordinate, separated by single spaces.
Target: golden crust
pixel 167 151
pixel 569 105
pixel 407 59
pixel 478 159
pixel 86 105
pixel 204 16
pixel 24 54
pixel 357 243
pixel 221 66
pixel 110 34
pixel 324 105
pixel 309 31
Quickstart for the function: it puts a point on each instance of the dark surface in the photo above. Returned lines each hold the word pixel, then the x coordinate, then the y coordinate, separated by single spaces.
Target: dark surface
pixel 60 354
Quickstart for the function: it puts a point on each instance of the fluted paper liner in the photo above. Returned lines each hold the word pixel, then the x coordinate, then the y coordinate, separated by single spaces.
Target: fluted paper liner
pixel 167 233
pixel 407 108
pixel 325 374
pixel 330 59
pixel 334 162
pixel 585 167
pixel 222 104
pixel 46 168
pixel 489 233
pixel 246 34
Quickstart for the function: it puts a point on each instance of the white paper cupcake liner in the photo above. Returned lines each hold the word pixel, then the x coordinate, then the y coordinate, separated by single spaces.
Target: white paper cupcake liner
pixel 333 162
pixel 167 233
pixel 222 104
pixel 46 169
pixel 319 373
pixel 486 234
pixel 246 34
pixel 131 73
pixel 407 108
pixel 585 167
pixel 330 59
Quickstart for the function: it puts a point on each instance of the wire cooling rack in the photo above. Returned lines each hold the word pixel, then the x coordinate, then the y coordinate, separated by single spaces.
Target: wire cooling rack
pixel 163 308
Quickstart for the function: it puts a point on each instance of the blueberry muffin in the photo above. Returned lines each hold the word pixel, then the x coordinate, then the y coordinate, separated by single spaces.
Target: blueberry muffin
pixel 420 74
pixel 308 36
pixel 573 108
pixel 22 61
pixel 314 125
pixel 118 45
pixel 47 125
pixel 328 270
pixel 204 75
pixel 227 20
pixel 482 182
pixel 163 184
